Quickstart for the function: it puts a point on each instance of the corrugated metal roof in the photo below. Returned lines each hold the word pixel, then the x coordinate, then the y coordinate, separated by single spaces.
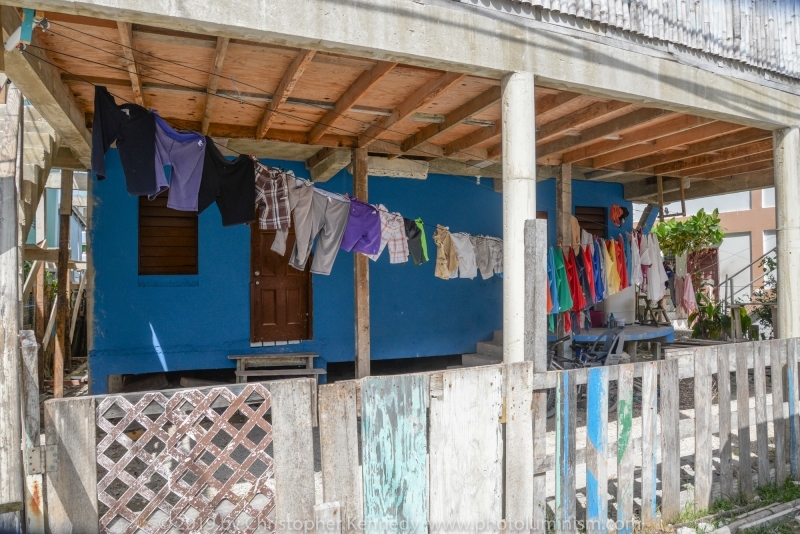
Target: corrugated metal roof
pixel 764 34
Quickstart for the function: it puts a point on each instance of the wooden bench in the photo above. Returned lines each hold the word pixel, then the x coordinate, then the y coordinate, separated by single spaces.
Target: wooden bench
pixel 246 362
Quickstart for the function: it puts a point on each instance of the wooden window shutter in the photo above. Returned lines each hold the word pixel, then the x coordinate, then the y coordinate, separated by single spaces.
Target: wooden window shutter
pixel 593 220
pixel 167 238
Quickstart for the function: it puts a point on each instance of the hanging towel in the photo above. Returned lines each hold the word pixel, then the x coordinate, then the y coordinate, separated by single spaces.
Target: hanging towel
pixel 689 300
pixel 636 262
pixel 578 299
pixel 580 263
pixel 552 285
pixel 611 267
pixel 589 266
pixel 597 268
pixel 628 260
pixel 562 282
pixel 622 264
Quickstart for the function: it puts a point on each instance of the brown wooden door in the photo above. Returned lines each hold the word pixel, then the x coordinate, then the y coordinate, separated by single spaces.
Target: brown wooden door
pixel 280 295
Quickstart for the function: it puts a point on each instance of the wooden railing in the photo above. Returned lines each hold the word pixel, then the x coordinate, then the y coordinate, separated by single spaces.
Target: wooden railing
pixel 454 451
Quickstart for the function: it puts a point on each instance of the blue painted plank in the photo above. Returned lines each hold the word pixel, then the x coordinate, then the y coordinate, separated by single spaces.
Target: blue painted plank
pixel 597 451
pixel 395 470
pixel 794 417
pixel 565 505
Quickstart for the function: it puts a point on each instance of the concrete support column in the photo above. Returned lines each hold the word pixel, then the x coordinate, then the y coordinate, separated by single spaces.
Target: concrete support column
pixel 519 203
pixel 787 199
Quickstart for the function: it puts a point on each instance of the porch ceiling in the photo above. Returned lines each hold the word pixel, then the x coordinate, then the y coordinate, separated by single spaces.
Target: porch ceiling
pixel 276 101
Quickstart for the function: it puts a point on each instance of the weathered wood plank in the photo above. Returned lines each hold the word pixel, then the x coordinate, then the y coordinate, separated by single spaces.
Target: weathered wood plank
pixel 34 497
pixel 466 447
pixel 649 442
pixel 328 518
pixel 293 450
pixel 566 415
pixel 11 483
pixel 724 401
pixel 519 492
pixel 597 451
pixel 743 410
pixel 777 362
pixel 794 406
pixel 72 486
pixel 703 468
pixel 338 435
pixel 670 441
pixel 535 296
pixel 395 446
pixel 625 450
pixel 760 384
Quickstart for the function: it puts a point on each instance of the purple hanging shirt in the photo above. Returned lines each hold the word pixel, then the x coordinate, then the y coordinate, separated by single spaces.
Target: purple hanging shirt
pixel 363 230
pixel 185 152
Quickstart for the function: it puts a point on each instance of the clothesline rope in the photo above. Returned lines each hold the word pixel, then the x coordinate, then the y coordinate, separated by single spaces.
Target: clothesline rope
pixel 227 97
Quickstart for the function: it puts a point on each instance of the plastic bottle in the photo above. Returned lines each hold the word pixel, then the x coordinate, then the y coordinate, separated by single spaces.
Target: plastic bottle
pixel 611 322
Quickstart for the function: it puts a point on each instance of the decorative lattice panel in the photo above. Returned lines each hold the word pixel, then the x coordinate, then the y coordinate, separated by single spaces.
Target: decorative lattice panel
pixel 186 463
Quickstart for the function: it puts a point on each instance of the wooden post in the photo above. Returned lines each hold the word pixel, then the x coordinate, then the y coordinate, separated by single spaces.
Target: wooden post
pixel 10 416
pixel 34 496
pixel 564 205
pixel 40 320
pixel 563 233
pixel 660 198
pixel 362 355
pixel 62 352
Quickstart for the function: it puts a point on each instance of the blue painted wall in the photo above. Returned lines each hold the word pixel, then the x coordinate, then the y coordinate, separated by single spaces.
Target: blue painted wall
pixel 151 323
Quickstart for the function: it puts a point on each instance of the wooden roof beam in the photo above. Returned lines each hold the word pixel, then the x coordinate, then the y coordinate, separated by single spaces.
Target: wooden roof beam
pixel 126 41
pixel 362 84
pixel 296 69
pixel 739 169
pixel 474 138
pixel 419 98
pixel 548 105
pixel 495 153
pixel 40 83
pixel 722 156
pixel 577 118
pixel 693 135
pixel 454 118
pixel 738 138
pixel 602 130
pixel 646 134
pixel 213 82
pixel 731 184
pixel 757 157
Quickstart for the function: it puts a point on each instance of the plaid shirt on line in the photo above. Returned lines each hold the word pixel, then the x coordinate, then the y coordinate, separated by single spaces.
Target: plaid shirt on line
pixel 272 197
pixel 393 235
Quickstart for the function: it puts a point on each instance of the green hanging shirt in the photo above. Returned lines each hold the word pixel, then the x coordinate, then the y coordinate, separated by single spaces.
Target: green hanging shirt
pixel 562 283
pixel 423 241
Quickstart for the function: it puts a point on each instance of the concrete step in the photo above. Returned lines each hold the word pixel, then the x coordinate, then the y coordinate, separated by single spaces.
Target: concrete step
pixel 476 360
pixel 498 336
pixel 490 348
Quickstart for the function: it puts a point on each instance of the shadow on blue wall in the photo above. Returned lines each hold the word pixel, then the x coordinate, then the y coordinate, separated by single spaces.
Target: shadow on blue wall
pixel 146 324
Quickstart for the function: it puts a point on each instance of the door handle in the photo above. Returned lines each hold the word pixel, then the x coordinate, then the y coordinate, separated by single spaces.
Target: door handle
pixel 257 273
